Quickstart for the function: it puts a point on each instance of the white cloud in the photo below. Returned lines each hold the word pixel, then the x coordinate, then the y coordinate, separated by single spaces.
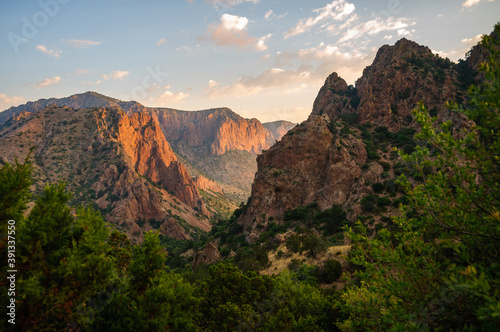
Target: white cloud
pixel 470 3
pixel 50 52
pixel 269 79
pixel 9 101
pixel 232 31
pixel 233 22
pixel 161 41
pixel 387 37
pixel 117 75
pixel 269 15
pixel 78 43
pixel 261 43
pixel 469 42
pixel 338 10
pixel 167 98
pixel 48 81
pixel 377 25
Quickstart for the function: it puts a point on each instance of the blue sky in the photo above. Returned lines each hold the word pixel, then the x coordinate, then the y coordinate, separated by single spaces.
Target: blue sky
pixel 263 59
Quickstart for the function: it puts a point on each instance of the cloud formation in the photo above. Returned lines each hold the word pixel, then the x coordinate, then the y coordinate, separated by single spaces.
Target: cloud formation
pixel 338 10
pixel 268 79
pixel 269 15
pixel 78 43
pixel 8 101
pixel 166 98
pixel 471 3
pixel 117 75
pixel 50 52
pixel 48 81
pixel 161 41
pixel 377 25
pixel 232 30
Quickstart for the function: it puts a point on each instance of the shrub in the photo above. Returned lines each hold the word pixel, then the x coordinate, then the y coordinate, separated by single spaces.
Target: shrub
pixel 331 271
pixel 378 187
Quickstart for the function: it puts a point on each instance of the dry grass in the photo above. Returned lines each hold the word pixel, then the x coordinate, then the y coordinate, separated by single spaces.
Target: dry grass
pixel 279 264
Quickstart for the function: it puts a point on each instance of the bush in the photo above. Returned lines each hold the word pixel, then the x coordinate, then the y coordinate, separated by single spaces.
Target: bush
pixel 378 187
pixel 293 242
pixel 331 271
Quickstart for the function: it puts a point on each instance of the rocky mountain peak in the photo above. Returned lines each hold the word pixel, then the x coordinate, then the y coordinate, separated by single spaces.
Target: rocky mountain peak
pixel 344 147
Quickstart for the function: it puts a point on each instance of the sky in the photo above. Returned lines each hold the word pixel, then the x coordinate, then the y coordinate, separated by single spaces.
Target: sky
pixel 263 59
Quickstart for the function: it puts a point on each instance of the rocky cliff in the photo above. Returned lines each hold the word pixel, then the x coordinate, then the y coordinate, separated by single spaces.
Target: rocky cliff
pixel 213 132
pixel 342 154
pixel 121 164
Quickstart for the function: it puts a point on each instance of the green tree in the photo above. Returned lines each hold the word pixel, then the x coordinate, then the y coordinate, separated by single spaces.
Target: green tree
pixel 148 298
pixel 231 299
pixel 62 259
pixel 441 268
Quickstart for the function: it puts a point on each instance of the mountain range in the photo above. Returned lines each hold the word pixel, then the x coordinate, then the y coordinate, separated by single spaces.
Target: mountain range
pixel 142 167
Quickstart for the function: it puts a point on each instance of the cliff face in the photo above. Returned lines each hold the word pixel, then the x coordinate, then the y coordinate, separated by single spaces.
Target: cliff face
pixel 213 132
pixel 308 165
pixel 344 147
pixel 216 143
pixel 122 164
pixel 151 156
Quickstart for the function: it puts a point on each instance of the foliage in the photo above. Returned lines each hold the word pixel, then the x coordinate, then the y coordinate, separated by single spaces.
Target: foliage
pixel 149 299
pixel 15 181
pixel 331 271
pixel 441 268
pixel 229 298
pixel 58 254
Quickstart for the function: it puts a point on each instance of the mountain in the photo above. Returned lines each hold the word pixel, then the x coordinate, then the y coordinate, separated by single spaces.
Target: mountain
pixel 143 167
pixel 276 130
pixel 219 144
pixel 121 164
pixel 341 156
pixel 216 143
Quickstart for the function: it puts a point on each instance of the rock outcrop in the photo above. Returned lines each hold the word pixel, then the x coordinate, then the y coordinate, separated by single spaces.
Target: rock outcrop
pixel 209 255
pixel 332 158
